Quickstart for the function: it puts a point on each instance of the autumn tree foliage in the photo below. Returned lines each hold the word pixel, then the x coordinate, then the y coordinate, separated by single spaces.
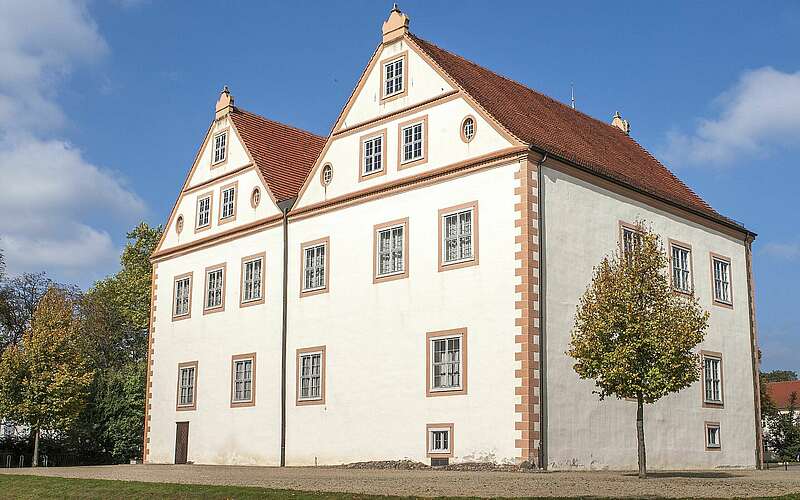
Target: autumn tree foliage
pixel 633 335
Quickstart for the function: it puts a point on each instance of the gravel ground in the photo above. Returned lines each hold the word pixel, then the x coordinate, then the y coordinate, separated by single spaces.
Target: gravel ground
pixel 715 484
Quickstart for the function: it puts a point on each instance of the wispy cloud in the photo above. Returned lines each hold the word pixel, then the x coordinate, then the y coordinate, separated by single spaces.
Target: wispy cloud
pixel 758 114
pixel 788 251
pixel 53 202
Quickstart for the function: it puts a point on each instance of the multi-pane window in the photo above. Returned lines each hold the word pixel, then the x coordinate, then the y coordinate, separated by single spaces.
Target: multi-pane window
pixel 681 269
pixel 314 267
pixel 228 208
pixel 252 279
pixel 183 287
pixel 310 376
pixel 215 283
pixel 243 380
pixel 413 142
pixel 446 363
pixel 439 440
pixel 186 385
pixel 712 379
pixel 372 155
pixel 713 436
pixel 393 77
pixel 722 280
pixel 220 146
pixel 468 129
pixel 458 236
pixel 391 250
pixel 631 239
pixel 204 211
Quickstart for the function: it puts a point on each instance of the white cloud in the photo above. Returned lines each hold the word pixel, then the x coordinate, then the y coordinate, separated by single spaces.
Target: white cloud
pixel 52 199
pixel 759 113
pixel 788 251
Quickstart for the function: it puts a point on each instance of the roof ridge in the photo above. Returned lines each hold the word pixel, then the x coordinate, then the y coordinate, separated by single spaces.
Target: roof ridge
pixel 282 124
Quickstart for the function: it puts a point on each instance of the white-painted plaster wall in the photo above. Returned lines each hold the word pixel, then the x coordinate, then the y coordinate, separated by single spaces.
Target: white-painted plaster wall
pixel 582 225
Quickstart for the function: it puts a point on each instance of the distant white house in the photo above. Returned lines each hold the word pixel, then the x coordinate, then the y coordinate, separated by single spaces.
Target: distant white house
pixel 406 286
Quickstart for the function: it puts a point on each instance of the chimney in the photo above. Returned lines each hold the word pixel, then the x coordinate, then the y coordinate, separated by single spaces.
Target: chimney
pixel 621 124
pixel 224 103
pixel 395 26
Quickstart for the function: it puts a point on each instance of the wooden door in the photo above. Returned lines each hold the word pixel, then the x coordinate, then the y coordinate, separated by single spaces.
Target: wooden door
pixel 181 442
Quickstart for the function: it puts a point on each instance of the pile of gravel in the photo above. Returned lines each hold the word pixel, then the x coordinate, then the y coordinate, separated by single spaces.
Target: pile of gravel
pixel 387 464
pixel 464 466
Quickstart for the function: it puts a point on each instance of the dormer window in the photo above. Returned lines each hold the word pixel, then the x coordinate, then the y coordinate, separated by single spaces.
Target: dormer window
pixel 220 147
pixel 394 76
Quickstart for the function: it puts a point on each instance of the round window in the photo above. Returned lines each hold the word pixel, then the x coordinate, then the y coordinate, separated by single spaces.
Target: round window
pixel 327 174
pixel 255 198
pixel 179 224
pixel 468 129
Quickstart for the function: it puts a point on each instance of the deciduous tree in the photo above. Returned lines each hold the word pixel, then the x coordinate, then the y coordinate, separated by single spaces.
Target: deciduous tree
pixel 633 335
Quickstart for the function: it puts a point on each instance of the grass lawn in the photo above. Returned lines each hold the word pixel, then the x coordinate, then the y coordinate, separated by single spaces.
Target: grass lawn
pixel 42 488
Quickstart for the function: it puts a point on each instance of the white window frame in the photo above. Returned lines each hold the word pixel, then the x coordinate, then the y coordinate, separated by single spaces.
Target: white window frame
pixel 458 237
pixel 395 240
pixel 713 445
pixel 721 285
pixel 432 341
pixel 207 303
pixel 310 376
pixel 468 134
pixel 432 432
pixel 712 381
pixel 243 381
pixel 682 278
pixel 199 216
pixel 413 142
pixel 227 202
pixel 250 280
pixel 190 388
pixel 629 233
pixel 368 160
pixel 319 266
pixel 178 299
pixel 397 88
pixel 220 149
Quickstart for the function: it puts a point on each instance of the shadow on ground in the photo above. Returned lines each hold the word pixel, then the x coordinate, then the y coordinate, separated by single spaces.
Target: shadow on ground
pixel 687 474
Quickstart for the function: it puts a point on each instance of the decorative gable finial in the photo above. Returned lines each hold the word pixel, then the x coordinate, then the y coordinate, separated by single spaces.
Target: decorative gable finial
pixel 621 124
pixel 224 103
pixel 395 26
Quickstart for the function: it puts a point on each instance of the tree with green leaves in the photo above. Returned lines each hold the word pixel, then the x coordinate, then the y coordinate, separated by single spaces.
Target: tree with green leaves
pixel 45 379
pixel 779 376
pixel 633 336
pixel 783 432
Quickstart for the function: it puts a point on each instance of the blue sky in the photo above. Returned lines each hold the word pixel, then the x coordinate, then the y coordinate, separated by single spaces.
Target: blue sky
pixel 103 104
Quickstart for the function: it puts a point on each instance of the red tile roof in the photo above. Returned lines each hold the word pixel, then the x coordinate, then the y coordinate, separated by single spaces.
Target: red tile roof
pixel 284 154
pixel 561 131
pixel 780 393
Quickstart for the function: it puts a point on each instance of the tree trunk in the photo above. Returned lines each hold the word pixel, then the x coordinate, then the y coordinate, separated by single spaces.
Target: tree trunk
pixel 640 436
pixel 35 461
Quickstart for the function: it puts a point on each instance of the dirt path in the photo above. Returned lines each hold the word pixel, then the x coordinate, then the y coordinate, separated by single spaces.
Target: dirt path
pixel 435 483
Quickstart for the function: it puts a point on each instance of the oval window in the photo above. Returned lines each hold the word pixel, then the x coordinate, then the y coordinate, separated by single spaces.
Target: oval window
pixel 255 198
pixel 327 174
pixel 468 129
pixel 179 224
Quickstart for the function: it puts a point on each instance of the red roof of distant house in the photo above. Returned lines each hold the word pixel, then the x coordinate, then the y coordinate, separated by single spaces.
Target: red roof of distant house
pixel 781 392
pixel 284 154
pixel 559 130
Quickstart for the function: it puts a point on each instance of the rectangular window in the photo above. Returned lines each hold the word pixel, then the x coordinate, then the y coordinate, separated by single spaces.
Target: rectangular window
pixel 187 386
pixel 311 375
pixel 182 293
pixel 220 147
pixel 439 440
pixel 713 441
pixel 721 267
pixel 391 250
pixel 393 80
pixel 372 151
pixel 631 238
pixel 315 267
pixel 712 379
pixel 252 279
pixel 413 142
pixel 203 211
pixel 243 376
pixel 457 230
pixel 215 288
pixel 227 202
pixel 681 268
pixel 446 356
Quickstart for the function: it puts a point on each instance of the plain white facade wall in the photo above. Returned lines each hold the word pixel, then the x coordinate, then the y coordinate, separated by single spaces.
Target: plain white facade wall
pixel 581 227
